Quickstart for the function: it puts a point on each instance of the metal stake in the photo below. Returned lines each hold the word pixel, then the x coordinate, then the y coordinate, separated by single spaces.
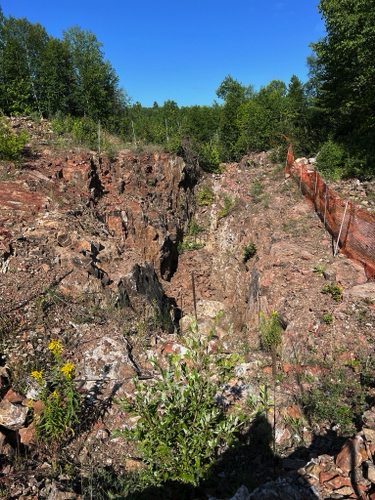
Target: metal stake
pixel 342 223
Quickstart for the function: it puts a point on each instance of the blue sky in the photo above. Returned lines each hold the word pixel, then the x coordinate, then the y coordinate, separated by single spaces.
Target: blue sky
pixel 182 50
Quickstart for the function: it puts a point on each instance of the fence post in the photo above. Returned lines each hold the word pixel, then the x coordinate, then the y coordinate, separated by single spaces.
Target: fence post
pixel 325 204
pixel 316 183
pixel 99 137
pixel 194 298
pixel 342 223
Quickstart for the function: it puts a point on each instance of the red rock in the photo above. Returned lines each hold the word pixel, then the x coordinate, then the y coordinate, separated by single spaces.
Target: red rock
pixel 28 435
pixel 293 412
pixel 338 482
pixel 350 457
pixel 168 349
pixel 13 397
pixel 267 369
pixel 326 476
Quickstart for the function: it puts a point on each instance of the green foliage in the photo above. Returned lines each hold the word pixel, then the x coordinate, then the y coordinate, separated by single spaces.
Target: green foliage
pixel 270 331
pixel 209 158
pixel 11 144
pixel 344 71
pixel 188 244
pixel 181 426
pixel 260 405
pixel 327 318
pixel 194 228
pixel 60 398
pixel 256 190
pixel 85 132
pixel 205 197
pixel 337 399
pixel 319 269
pixel 331 160
pixel 334 290
pixel 249 251
pixel 229 205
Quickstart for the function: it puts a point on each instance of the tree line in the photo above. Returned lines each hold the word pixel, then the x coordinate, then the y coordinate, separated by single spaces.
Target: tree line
pixel 332 113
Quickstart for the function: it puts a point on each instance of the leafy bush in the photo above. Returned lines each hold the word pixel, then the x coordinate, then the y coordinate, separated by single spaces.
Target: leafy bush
pixel 334 290
pixel 229 206
pixel 319 269
pixel 338 399
pixel 60 398
pixel 256 190
pixel 205 197
pixel 249 251
pixel 209 158
pixel 182 426
pixel 332 160
pixel 327 318
pixel 194 228
pixel 11 144
pixel 188 244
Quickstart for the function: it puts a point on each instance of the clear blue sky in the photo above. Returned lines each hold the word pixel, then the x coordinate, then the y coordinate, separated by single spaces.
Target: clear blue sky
pixel 182 50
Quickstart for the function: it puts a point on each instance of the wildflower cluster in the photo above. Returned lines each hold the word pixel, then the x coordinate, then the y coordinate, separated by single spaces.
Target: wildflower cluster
pixel 38 375
pixel 68 370
pixel 59 395
pixel 56 347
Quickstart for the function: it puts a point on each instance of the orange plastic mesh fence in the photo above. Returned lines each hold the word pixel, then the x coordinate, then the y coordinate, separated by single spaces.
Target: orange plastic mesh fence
pixel 357 238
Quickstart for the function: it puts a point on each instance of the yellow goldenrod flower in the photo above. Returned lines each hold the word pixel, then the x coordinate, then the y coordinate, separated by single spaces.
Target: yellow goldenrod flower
pixel 56 347
pixel 68 370
pixel 37 375
pixel 55 394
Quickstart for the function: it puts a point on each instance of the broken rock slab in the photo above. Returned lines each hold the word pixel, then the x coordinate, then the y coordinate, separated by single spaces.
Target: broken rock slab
pixel 12 416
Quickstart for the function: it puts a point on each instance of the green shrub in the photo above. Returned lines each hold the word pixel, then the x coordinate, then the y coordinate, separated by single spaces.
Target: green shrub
pixel 337 399
pixel 334 290
pixel 188 244
pixel 319 269
pixel 209 159
pixel 194 228
pixel 249 251
pixel 182 426
pixel 229 206
pixel 205 197
pixel 11 144
pixel 327 318
pixel 256 190
pixel 332 160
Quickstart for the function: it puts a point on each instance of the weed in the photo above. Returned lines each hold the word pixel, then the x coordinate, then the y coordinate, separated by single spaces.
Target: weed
pixel 181 424
pixel 337 398
pixel 229 206
pixel 205 197
pixel 256 190
pixel 334 290
pixel 188 244
pixel 270 331
pixel 249 251
pixel 294 422
pixel 327 318
pixel 60 398
pixel 319 269
pixel 195 228
pixel 261 404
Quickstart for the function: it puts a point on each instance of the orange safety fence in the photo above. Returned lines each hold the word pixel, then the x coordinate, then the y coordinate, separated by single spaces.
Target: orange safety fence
pixel 357 235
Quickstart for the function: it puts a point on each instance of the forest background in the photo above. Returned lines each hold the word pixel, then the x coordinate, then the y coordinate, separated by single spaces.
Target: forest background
pixel 69 82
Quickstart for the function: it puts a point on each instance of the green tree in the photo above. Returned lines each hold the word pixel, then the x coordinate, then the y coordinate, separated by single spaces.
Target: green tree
pixel 96 81
pixel 347 71
pixel 234 94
